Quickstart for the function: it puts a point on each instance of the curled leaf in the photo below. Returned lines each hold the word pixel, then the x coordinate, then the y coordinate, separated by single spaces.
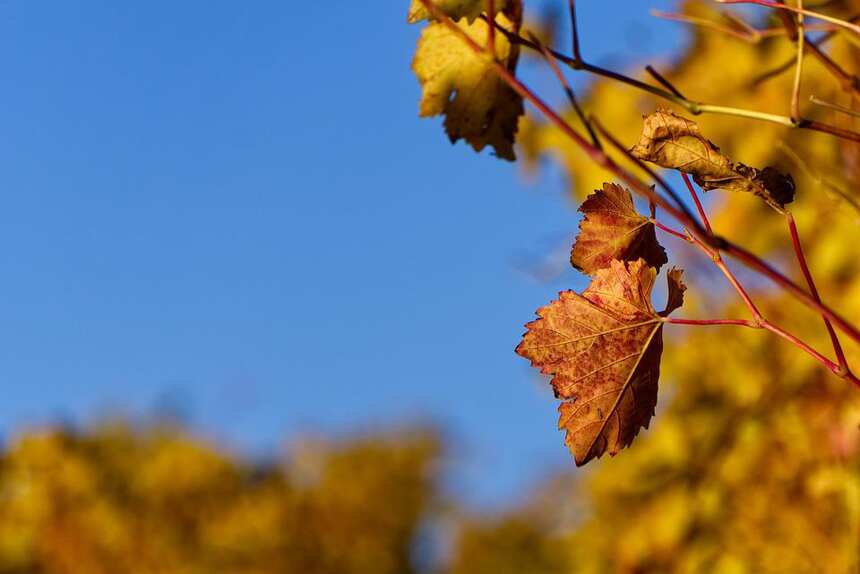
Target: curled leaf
pixel 603 351
pixel 611 228
pixel 675 142
pixel 461 85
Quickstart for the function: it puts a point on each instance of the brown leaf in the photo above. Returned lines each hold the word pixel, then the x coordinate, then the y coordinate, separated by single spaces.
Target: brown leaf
pixel 603 350
pixel 675 291
pixel 675 142
pixel 612 229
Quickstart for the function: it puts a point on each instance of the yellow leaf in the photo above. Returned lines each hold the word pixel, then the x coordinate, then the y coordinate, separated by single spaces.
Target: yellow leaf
pixel 461 85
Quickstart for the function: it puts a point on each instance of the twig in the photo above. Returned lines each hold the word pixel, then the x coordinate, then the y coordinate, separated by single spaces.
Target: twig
pixel 663 81
pixel 801 260
pixel 574 30
pixel 571 96
pixel 698 203
pixel 602 159
pixel 692 106
pixel 798 73
pixel 835 107
pixel 779 331
pixel 749 34
pixel 771 4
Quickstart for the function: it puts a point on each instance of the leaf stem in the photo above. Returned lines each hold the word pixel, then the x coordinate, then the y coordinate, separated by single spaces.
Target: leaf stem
pixel 779 331
pixel 698 203
pixel 801 260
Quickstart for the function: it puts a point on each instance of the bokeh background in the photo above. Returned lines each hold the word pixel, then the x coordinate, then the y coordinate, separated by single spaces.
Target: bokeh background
pixel 259 317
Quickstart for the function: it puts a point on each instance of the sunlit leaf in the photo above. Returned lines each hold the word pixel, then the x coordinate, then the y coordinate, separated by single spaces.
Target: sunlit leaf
pixel 602 349
pixel 611 228
pixel 461 85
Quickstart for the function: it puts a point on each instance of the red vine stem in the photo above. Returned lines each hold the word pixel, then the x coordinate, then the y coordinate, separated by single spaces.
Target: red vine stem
pixel 779 331
pixel 801 260
pixel 602 159
pixel 698 203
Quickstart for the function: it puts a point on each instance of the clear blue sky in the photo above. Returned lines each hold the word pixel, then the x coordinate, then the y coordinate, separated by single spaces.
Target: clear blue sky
pixel 235 206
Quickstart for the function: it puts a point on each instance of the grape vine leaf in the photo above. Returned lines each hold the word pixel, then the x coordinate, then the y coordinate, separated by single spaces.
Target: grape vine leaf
pixel 674 142
pixel 455 9
pixel 611 228
pixel 602 349
pixel 478 106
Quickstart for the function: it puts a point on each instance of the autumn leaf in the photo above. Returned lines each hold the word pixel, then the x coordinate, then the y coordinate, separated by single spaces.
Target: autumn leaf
pixel 612 229
pixel 603 350
pixel 462 86
pixel 675 142
pixel 455 9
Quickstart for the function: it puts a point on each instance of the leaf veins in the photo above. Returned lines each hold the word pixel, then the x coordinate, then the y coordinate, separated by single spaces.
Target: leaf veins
pixel 612 229
pixel 675 142
pixel 602 349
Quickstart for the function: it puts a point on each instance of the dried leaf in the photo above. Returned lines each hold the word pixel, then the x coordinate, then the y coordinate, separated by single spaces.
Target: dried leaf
pixel 603 350
pixel 612 229
pixel 455 9
pixel 675 291
pixel 478 106
pixel 674 142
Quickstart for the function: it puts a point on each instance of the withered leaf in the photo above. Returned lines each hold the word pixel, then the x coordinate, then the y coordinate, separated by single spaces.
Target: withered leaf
pixel 478 106
pixel 603 351
pixel 612 229
pixel 675 142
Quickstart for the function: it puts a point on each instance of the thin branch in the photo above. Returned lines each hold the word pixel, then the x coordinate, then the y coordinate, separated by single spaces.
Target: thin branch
pixel 692 106
pixel 849 82
pixel 798 72
pixel 748 33
pixel 571 96
pixel 574 30
pixel 779 331
pixel 663 81
pixel 669 230
pixel 706 322
pixel 698 203
pixel 772 4
pixel 602 159
pixel 807 274
pixel 646 168
pixel 835 107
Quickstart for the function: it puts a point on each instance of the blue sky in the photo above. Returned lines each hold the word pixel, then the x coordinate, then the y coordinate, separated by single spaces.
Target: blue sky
pixel 235 207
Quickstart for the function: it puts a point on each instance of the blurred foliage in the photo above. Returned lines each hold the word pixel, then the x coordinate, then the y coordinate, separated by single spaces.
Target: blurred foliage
pixel 119 500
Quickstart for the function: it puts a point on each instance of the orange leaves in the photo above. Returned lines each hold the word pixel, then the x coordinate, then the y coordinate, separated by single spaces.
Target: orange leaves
pixel 612 229
pixel 602 348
